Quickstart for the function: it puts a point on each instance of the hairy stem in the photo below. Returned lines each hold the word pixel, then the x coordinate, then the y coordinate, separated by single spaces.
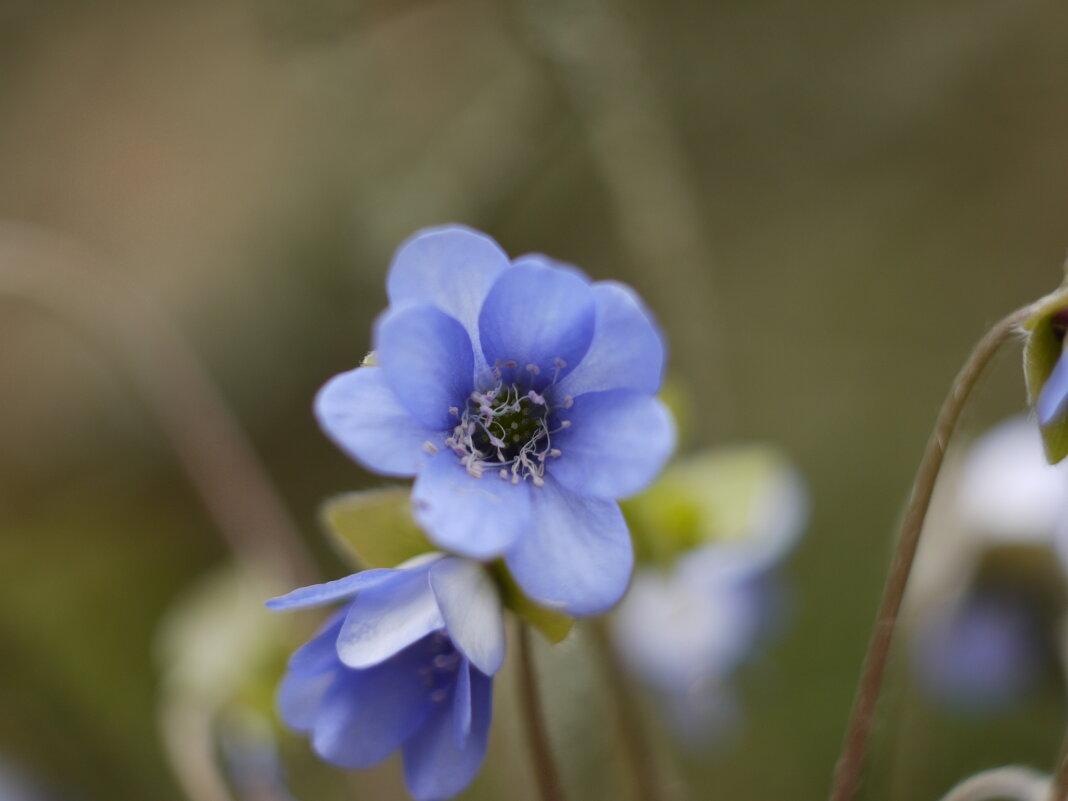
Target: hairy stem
pixel 851 761
pixel 548 778
pixel 636 752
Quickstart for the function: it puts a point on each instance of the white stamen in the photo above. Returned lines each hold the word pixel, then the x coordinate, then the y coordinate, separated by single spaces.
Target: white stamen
pixel 430 447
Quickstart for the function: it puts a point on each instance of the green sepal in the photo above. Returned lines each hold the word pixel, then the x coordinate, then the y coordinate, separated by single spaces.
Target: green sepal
pixel 374 528
pixel 1045 341
pixel 710 496
pixel 554 625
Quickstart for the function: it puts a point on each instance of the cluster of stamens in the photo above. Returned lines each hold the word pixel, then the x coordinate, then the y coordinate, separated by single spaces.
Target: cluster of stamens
pixel 506 429
pixel 437 676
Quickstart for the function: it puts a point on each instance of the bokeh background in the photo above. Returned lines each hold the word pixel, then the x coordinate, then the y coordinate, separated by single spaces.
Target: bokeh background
pixel 824 203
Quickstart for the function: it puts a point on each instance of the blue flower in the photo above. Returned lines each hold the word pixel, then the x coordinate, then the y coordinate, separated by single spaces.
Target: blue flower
pixel 985 653
pixel 520 396
pixel 982 609
pixel 684 629
pixel 407 664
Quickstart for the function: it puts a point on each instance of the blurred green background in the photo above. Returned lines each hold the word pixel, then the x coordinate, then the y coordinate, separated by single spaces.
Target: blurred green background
pixel 824 203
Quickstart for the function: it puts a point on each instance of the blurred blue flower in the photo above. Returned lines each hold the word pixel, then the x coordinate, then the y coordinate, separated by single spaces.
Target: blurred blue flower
pixel 990 587
pixel 520 395
pixel 407 665
pixel 984 653
pixel 684 630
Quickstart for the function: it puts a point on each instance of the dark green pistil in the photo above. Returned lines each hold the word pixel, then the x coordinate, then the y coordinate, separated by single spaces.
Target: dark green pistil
pixel 515 427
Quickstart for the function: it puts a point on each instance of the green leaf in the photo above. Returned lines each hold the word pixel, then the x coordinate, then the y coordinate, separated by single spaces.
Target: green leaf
pixel 1045 341
pixel 374 528
pixel 554 625
pixel 717 495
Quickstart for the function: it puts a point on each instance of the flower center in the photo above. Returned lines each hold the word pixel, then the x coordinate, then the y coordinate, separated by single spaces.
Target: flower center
pixel 439 674
pixel 508 428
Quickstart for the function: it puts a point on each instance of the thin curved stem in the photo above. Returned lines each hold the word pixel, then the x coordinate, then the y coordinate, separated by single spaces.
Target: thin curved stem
pixel 548 778
pixel 639 758
pixel 851 761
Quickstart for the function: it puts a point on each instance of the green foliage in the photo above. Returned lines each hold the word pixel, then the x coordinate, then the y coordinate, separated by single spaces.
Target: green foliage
pixel 374 528
pixel 1045 341
pixel 711 496
pixel 554 625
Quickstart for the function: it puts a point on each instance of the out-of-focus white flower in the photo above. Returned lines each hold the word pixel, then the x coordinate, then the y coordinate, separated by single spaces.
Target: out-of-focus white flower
pixel 1008 492
pixel 684 627
pixel 990 582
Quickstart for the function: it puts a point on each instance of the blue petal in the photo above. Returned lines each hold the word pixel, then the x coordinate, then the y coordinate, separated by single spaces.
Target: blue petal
pixel 331 591
pixel 368 714
pixel 627 351
pixel 461 705
pixel 1054 394
pixel 475 517
pixel 451 267
pixel 537 314
pixel 434 768
pixel 983 654
pixel 617 442
pixel 576 557
pixel 428 363
pixel 311 672
pixel 471 607
pixel 388 618
pixel 300 697
pixel 541 260
pixel 360 413
pixel 319 654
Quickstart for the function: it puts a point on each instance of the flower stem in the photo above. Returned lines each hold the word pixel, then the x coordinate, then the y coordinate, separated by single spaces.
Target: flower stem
pixel 638 755
pixel 541 756
pixel 851 761
pixel 1060 774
